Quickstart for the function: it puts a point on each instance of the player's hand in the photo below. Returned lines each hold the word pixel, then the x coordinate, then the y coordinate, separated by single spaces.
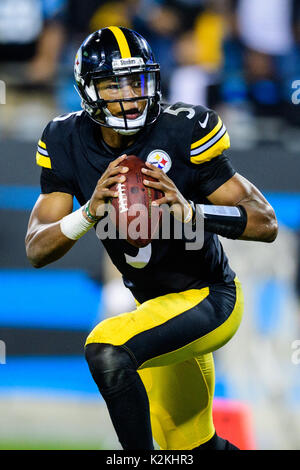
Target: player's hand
pixel 179 206
pixel 102 191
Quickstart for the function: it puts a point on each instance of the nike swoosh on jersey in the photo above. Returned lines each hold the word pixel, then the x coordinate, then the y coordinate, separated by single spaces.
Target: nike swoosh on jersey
pixel 204 123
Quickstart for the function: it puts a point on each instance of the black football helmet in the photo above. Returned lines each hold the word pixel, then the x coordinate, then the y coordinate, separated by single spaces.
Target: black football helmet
pixel 124 56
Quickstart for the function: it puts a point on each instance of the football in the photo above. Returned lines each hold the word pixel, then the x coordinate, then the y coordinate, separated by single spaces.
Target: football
pixel 135 218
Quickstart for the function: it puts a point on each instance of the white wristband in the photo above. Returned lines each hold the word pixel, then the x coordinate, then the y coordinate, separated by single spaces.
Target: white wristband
pixel 75 225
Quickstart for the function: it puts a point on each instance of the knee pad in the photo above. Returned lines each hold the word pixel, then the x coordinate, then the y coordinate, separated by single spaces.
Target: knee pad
pixel 112 368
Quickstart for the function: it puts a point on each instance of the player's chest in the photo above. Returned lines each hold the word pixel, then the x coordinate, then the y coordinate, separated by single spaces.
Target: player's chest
pixel 164 153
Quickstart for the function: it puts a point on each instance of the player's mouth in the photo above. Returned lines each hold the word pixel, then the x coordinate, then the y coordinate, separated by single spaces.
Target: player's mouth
pixel 132 114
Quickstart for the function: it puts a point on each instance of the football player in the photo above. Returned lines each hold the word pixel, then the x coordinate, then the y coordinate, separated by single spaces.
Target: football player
pixel 153 366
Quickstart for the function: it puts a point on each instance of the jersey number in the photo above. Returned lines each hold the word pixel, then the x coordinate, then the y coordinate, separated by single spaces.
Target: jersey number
pixel 175 112
pixel 141 259
pixel 63 118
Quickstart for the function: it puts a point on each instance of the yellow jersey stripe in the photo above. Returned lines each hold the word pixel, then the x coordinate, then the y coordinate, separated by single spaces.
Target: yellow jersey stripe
pixel 42 151
pixel 42 144
pixel 208 136
pixel 213 151
pixel 208 144
pixel 122 41
pixel 41 160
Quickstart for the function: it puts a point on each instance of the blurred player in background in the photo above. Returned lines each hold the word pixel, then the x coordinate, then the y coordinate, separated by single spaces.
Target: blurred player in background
pixel 154 365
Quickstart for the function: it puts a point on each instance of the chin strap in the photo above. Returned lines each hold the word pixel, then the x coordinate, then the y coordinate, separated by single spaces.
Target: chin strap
pixel 126 132
pixel 133 125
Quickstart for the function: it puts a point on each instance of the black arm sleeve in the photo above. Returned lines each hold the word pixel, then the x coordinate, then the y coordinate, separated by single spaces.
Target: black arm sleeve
pixel 50 183
pixel 211 175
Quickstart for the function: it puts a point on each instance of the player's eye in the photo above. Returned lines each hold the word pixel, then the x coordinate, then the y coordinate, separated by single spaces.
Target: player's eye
pixel 113 86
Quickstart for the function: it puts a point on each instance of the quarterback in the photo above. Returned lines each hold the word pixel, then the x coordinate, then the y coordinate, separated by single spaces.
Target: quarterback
pixel 154 365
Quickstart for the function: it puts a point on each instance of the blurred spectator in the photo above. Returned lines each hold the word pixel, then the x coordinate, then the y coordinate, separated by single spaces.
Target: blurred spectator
pixel 80 22
pixel 38 43
pixel 29 40
pixel 244 54
pixel 77 23
pixel 263 59
pixel 162 23
pixel 28 35
pixel 199 57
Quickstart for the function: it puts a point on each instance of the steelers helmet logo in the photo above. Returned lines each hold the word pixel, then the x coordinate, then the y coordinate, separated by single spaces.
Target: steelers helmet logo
pixel 77 65
pixel 160 159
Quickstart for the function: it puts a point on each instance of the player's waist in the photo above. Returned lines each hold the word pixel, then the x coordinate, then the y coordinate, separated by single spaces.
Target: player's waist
pixel 143 291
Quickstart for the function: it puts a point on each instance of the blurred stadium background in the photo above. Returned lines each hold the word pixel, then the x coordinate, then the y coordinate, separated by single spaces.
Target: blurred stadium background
pixel 241 57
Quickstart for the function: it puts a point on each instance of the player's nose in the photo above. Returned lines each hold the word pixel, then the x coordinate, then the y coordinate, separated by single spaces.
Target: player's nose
pixel 128 92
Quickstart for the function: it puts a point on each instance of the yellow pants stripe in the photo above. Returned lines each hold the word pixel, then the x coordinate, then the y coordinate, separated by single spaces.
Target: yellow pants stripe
pixel 122 41
pixel 212 341
pixel 121 328
pixel 118 330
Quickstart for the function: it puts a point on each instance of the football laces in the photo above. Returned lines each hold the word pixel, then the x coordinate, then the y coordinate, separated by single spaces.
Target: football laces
pixel 122 197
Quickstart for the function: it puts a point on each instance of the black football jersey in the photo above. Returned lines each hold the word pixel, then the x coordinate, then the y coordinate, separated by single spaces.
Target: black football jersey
pixel 187 142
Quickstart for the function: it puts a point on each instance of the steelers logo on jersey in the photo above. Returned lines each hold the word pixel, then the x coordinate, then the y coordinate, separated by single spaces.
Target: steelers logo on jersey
pixel 160 159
